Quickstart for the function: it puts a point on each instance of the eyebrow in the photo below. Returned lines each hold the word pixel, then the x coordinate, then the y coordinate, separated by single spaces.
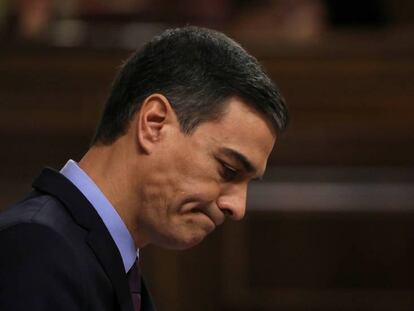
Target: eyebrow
pixel 242 159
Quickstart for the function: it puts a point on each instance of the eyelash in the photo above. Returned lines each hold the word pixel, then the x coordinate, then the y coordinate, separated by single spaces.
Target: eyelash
pixel 228 173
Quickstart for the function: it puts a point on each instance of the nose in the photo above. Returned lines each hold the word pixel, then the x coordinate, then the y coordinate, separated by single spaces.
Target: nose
pixel 232 202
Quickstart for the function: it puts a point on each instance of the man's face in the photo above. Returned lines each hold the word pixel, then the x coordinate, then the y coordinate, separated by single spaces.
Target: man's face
pixel 198 180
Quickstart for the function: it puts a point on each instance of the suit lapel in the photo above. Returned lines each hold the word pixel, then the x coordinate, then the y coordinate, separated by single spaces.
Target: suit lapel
pixel 112 265
pixel 99 239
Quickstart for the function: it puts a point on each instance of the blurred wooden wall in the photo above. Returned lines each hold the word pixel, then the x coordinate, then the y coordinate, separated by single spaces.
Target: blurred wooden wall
pixel 306 247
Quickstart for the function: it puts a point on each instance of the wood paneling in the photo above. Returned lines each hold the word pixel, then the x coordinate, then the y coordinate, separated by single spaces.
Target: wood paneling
pixel 351 109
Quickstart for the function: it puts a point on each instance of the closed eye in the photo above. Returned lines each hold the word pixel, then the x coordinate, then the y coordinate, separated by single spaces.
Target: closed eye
pixel 228 172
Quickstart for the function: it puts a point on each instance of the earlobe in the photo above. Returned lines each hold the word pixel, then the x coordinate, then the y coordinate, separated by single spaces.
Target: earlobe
pixel 152 118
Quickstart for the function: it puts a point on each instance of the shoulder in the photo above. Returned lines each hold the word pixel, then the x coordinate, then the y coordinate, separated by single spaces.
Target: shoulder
pixel 47 259
pixel 41 209
pixel 38 264
pixel 39 229
pixel 38 235
pixel 31 243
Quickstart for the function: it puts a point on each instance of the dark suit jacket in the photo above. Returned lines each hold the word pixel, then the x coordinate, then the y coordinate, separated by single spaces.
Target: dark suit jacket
pixel 56 254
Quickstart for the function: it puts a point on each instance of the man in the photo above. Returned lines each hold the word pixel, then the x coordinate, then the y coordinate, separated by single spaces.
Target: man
pixel 191 119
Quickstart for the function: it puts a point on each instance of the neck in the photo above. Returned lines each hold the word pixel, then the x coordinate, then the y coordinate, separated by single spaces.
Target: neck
pixel 111 169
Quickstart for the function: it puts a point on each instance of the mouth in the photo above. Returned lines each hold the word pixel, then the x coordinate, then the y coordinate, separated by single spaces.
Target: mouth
pixel 214 222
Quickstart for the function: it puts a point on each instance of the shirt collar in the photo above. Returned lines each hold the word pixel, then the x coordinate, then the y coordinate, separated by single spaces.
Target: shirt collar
pixel 113 222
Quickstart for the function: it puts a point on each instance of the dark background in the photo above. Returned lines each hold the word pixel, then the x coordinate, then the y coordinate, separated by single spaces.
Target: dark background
pixel 332 225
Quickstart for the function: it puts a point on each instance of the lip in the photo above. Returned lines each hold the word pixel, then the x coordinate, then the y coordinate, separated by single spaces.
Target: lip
pixel 216 222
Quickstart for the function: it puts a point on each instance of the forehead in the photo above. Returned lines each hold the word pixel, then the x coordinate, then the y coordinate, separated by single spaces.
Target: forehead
pixel 242 129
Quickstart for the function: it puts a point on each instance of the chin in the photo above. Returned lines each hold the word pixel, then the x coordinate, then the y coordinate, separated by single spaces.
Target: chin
pixel 180 235
pixel 184 241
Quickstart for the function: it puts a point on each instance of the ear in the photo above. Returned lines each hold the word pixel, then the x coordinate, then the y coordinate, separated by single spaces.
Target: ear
pixel 154 115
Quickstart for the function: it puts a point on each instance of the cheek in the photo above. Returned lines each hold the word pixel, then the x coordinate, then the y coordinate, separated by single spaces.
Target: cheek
pixel 186 175
pixel 193 173
pixel 155 196
pixel 170 208
pixel 196 186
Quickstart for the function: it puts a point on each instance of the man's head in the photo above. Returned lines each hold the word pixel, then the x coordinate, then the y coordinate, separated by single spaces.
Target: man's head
pixel 196 70
pixel 190 121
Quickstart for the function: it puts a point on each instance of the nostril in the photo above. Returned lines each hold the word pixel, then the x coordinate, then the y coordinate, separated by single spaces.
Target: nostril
pixel 227 212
